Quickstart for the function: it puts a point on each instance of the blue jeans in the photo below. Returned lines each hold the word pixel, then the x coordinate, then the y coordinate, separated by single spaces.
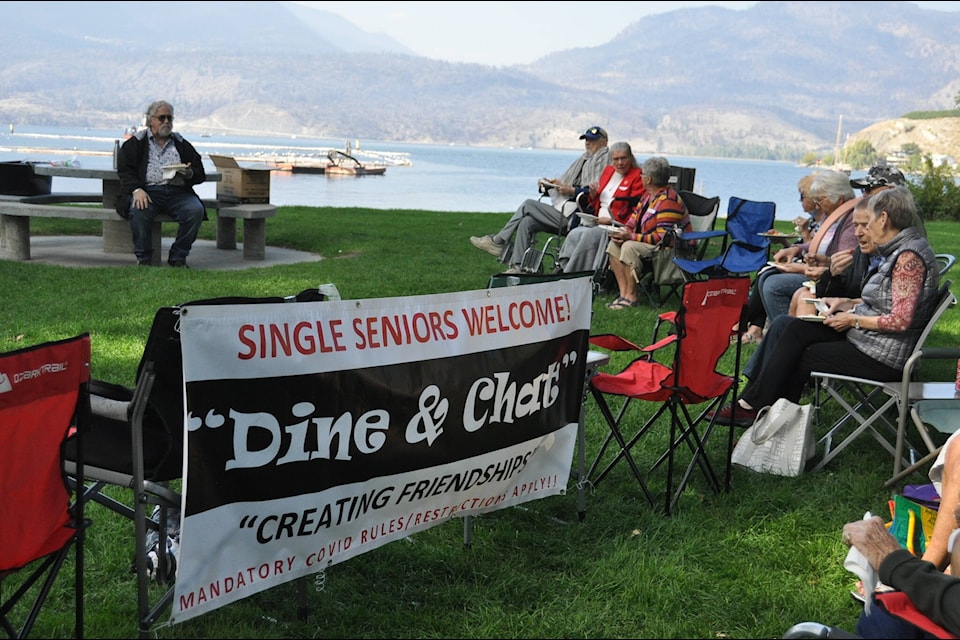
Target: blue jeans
pixel 880 624
pixel 776 291
pixel 180 203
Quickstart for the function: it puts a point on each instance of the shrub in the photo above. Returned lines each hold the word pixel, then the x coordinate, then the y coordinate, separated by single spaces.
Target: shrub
pixel 936 193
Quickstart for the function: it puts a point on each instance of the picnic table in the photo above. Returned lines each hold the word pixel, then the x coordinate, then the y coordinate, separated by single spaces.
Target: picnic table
pixel 16 211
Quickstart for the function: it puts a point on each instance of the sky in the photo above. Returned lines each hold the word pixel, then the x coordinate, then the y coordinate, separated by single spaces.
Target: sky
pixel 508 33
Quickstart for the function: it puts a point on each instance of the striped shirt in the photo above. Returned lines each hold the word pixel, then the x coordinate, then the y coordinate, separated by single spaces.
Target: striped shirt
pixel 658 213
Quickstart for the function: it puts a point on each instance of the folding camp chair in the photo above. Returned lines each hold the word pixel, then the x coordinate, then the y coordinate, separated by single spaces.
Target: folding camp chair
pixel 546 258
pixel 872 402
pixel 744 251
pixel 44 398
pixel 700 338
pixel 136 442
pixel 535 260
pixel 928 403
pixel 703 218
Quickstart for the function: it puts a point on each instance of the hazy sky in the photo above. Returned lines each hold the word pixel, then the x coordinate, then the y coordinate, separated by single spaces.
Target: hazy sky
pixel 505 33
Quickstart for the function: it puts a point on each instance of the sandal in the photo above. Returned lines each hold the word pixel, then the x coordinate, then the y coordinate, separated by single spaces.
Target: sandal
pixel 622 303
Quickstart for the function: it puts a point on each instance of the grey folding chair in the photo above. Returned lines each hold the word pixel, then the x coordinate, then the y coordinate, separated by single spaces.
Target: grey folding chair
pixel 928 403
pixel 871 403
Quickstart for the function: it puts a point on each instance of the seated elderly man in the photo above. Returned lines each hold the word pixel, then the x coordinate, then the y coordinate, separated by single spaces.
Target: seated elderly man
pixel 534 216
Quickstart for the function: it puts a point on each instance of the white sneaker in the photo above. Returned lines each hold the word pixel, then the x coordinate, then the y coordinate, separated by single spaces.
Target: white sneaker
pixel 488 244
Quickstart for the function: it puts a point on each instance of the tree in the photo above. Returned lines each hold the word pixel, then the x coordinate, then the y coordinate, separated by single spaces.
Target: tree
pixel 911 149
pixel 936 193
pixel 860 154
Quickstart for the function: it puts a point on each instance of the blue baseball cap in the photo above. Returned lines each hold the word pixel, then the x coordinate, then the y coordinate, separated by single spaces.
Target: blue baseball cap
pixel 594 133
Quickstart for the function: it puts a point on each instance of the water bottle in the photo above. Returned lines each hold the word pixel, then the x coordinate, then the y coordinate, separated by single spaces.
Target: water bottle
pixel 116 152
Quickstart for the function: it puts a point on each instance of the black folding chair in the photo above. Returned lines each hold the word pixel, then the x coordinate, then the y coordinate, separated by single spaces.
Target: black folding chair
pixel 136 442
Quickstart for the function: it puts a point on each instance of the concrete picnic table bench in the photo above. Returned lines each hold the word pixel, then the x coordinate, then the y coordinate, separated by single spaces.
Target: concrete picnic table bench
pixel 16 212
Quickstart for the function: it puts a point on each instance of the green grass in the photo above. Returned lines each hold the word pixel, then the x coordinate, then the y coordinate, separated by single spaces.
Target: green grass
pixel 748 564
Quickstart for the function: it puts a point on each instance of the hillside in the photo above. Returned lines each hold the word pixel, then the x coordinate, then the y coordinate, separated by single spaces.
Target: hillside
pixel 936 136
pixel 766 82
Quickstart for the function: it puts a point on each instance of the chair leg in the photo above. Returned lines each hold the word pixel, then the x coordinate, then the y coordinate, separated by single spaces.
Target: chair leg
pixel 683 430
pixel 609 438
pixel 863 400
pixel 624 452
pixel 48 569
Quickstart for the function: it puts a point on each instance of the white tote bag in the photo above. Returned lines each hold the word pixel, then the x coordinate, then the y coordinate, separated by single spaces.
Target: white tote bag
pixel 780 441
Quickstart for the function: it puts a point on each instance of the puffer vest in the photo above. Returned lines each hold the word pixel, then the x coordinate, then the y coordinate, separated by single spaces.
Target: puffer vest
pixel 893 349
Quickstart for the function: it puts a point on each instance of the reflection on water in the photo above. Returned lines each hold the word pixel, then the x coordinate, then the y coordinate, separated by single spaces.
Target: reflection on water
pixel 440 178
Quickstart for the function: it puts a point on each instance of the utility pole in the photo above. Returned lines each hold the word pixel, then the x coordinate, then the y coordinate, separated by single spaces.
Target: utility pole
pixel 836 145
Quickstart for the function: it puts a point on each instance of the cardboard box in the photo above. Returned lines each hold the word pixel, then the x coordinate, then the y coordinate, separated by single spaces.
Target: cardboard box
pixel 241 184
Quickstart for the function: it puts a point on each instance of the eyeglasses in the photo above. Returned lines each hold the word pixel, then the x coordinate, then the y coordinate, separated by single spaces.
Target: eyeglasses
pixel 164 118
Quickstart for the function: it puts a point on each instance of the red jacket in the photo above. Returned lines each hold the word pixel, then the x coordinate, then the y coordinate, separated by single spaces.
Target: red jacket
pixel 630 187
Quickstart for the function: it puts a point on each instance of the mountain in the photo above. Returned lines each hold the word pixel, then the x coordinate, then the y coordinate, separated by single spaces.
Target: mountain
pixel 770 82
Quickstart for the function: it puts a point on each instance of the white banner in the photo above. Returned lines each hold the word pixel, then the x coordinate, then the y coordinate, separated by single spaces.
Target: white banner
pixel 317 431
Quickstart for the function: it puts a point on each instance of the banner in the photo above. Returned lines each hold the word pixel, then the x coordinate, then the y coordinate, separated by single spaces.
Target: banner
pixel 317 431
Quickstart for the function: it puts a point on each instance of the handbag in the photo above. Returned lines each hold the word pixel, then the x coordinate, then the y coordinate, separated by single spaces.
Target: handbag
pixel 780 440
pixel 665 270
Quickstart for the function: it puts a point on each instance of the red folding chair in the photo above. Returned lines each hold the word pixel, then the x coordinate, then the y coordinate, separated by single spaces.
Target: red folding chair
pixel 44 399
pixel 700 337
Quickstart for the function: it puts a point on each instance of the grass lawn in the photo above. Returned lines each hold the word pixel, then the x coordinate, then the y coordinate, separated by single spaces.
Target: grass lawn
pixel 744 564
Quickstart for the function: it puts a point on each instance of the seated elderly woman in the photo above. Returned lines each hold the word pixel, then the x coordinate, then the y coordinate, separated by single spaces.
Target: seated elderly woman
pixel 834 199
pixel 868 337
pixel 660 211
pixel 845 278
pixel 612 198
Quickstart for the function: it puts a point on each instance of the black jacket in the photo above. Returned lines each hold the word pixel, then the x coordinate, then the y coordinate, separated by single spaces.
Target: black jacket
pixel 934 593
pixel 848 284
pixel 132 166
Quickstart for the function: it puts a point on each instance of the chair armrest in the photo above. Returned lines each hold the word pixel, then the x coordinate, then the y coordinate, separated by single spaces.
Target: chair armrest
pixel 840 376
pixel 631 201
pixel 940 353
pixel 763 246
pixel 663 342
pixel 701 235
pixel 612 342
pixel 114 409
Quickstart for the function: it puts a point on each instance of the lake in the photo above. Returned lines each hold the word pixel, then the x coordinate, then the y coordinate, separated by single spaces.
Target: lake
pixel 439 177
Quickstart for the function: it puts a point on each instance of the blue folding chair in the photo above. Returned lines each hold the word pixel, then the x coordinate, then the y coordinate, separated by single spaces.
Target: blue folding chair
pixel 744 250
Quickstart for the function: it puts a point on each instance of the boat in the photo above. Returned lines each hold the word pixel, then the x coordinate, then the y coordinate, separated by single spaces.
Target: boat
pixel 297 165
pixel 308 166
pixel 341 163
